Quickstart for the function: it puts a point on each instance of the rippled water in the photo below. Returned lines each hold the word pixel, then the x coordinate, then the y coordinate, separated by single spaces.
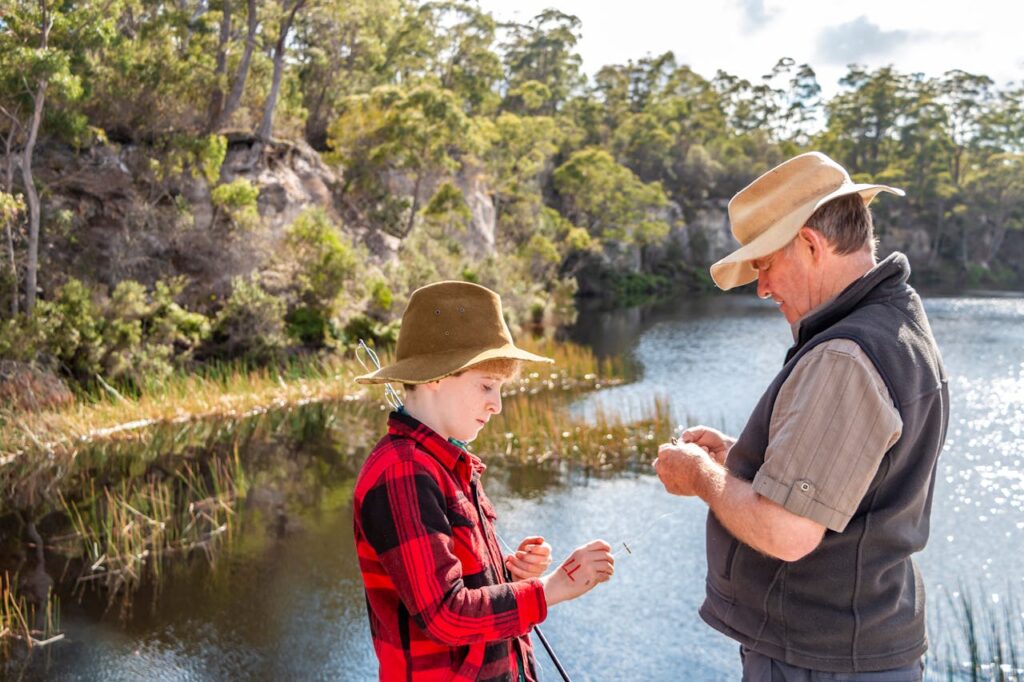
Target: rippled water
pixel 286 602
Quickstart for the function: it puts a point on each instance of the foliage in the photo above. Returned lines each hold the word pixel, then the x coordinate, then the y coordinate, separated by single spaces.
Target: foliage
pixel 328 267
pixel 126 337
pixel 609 200
pixel 237 199
pixel 443 124
pixel 251 324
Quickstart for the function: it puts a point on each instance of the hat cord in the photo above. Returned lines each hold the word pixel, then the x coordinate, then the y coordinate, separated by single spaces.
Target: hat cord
pixel 390 394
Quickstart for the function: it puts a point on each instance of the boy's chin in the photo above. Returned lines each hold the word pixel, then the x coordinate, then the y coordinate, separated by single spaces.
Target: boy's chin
pixel 468 437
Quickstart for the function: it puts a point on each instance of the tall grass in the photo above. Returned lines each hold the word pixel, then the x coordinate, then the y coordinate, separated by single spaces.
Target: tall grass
pixel 535 429
pixel 126 531
pixel 18 618
pixel 977 636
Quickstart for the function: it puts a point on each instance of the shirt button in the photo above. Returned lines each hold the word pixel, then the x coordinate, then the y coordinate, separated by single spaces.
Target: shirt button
pixel 805 486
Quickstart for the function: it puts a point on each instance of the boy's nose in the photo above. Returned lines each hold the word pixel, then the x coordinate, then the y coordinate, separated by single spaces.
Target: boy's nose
pixel 495 405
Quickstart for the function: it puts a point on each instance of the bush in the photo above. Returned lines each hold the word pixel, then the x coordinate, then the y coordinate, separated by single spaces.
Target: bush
pixel 126 337
pixel 327 262
pixel 377 334
pixel 146 335
pixel 72 325
pixel 251 324
pixel 308 325
pixel 237 199
pixel 380 294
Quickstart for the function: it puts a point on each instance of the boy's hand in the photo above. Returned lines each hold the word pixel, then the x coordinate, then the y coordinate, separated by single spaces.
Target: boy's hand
pixel 587 566
pixel 531 559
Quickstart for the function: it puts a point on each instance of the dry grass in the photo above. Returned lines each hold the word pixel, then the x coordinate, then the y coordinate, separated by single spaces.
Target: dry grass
pixel 232 392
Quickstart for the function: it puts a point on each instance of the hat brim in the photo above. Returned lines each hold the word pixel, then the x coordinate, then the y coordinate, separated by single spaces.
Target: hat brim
pixel 735 269
pixel 422 369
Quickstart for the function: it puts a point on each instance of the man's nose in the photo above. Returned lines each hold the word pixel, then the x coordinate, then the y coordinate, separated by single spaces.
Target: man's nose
pixel 763 289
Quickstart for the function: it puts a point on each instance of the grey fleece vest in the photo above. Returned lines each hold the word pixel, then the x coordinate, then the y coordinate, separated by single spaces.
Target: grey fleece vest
pixel 856 603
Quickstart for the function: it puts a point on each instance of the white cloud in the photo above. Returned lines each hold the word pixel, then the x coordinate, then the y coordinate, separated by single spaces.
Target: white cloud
pixel 982 37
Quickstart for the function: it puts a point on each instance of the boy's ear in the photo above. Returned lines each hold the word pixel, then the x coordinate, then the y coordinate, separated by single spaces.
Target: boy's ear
pixel 432 386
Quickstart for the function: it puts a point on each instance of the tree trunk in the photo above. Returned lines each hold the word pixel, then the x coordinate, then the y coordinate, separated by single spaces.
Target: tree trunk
pixel 217 98
pixel 32 265
pixel 9 189
pixel 415 204
pixel 238 85
pixel 32 197
pixel 267 124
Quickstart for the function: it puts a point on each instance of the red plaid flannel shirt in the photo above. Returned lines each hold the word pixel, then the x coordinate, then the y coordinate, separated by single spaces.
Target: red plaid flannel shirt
pixel 440 605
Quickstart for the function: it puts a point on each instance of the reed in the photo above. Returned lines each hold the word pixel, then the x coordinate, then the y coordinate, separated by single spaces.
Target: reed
pixel 977 638
pixel 18 618
pixel 44 453
pixel 126 531
pixel 538 428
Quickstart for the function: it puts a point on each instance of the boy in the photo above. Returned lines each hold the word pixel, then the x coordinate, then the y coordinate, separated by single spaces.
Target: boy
pixel 443 602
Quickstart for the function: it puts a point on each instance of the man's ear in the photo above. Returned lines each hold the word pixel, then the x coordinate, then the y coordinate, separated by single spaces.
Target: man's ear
pixel 814 241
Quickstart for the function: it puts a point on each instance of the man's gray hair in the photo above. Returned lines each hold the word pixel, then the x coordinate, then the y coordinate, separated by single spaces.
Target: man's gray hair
pixel 846 224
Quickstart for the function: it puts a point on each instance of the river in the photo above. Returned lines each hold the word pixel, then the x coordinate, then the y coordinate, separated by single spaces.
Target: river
pixel 285 601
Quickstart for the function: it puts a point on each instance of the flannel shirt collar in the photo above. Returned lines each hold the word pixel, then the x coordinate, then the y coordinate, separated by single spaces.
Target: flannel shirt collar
pixel 459 461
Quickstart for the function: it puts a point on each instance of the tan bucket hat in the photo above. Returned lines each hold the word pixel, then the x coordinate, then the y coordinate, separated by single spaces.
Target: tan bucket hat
pixel 447 327
pixel 769 212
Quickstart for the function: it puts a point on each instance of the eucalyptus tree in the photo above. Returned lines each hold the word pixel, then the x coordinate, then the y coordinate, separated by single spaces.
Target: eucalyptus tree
pixel 222 107
pixel 608 200
pixel 342 50
pixel 42 44
pixel 544 50
pixel 283 17
pixel 395 135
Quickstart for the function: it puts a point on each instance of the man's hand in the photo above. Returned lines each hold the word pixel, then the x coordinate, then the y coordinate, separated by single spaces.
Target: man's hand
pixel 714 442
pixel 531 559
pixel 680 466
pixel 587 566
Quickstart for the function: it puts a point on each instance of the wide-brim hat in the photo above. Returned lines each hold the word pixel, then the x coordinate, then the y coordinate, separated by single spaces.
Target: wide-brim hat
pixel 769 212
pixel 448 327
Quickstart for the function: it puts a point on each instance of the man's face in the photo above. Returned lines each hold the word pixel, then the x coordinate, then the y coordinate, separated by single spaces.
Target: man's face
pixel 466 402
pixel 785 276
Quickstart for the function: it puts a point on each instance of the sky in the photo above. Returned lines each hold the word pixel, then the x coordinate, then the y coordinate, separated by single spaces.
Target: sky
pixel 747 37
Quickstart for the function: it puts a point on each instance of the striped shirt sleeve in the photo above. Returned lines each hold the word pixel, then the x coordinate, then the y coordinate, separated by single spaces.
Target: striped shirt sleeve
pixel 832 423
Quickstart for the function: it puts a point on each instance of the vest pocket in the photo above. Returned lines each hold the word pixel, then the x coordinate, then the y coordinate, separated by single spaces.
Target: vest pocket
pixel 721 552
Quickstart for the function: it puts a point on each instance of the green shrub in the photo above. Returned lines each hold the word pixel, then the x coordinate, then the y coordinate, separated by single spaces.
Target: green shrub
pixel 73 328
pixel 380 294
pixel 377 334
pixel 237 199
pixel 251 324
pixel 327 262
pixel 308 325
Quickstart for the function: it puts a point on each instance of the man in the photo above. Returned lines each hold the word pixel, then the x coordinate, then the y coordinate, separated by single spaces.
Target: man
pixel 817 507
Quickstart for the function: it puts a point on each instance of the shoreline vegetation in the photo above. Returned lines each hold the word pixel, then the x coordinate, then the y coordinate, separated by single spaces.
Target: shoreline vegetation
pixel 235 392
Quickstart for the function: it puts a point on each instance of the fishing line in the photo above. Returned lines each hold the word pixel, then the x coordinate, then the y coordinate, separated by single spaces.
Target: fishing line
pixel 631 544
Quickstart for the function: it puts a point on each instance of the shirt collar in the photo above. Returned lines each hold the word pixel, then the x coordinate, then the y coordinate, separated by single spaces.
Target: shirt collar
pixel 454 458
